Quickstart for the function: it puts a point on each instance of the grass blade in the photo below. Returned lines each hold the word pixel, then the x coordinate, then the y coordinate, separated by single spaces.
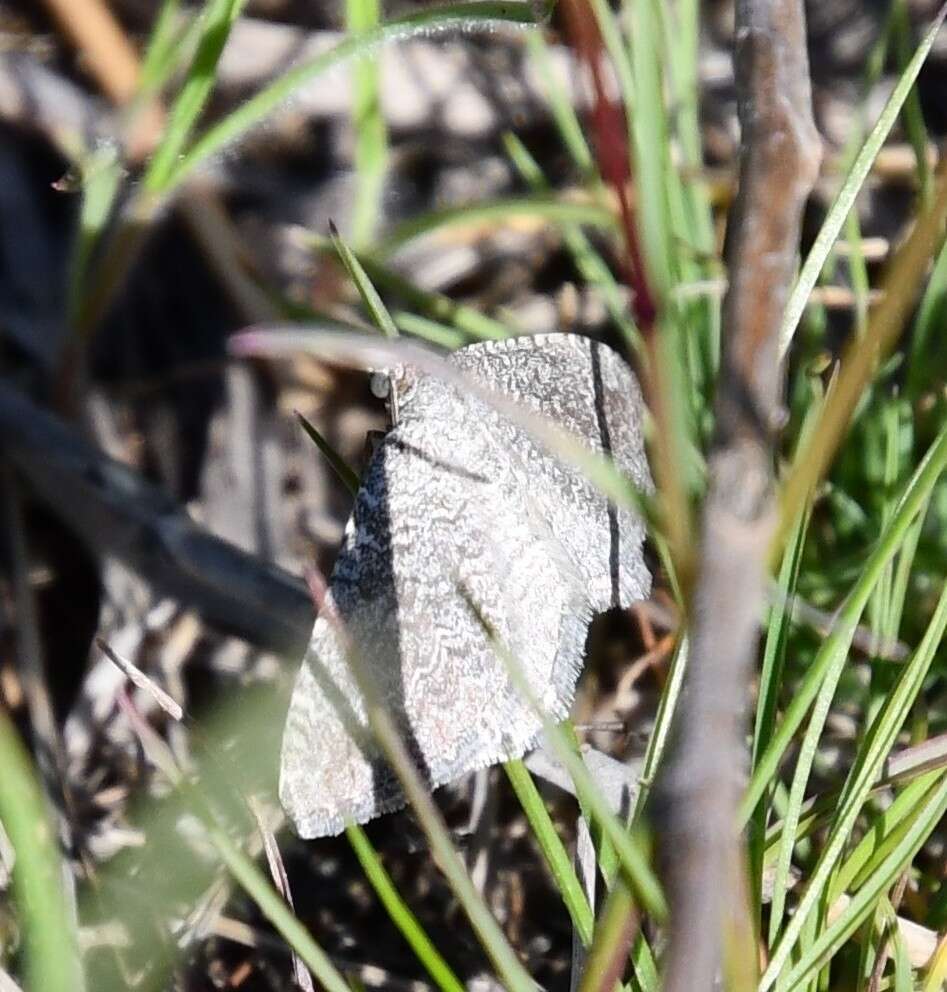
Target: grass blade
pixel 373 302
pixel 371 137
pixel 835 218
pixel 557 860
pixel 348 477
pixel 865 771
pixel 541 206
pixel 828 942
pixel 50 945
pixel 400 914
pixel 831 656
pixel 864 354
pixel 218 19
pixel 468 16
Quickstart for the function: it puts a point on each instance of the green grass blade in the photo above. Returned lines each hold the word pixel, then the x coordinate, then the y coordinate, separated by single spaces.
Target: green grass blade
pixel 832 655
pixel 348 477
pixel 649 127
pixel 913 115
pixel 863 903
pixel 927 353
pixel 866 769
pixel 634 863
pixel 400 914
pixel 557 859
pixel 614 916
pixel 851 187
pixel 101 181
pixel 543 206
pixel 218 19
pixel 373 302
pixel 471 16
pixel 275 909
pixel 662 725
pixel 890 822
pixel 162 42
pixel 50 945
pixel 592 267
pixel 774 656
pixel 563 112
pixel 371 136
pixel 435 306
pixel 429 330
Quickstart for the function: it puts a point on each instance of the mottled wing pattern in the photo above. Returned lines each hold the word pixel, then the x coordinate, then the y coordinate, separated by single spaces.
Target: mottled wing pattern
pixel 586 388
pixel 459 507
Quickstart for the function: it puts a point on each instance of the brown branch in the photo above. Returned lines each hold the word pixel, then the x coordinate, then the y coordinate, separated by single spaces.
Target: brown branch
pixel 700 790
pixel 114 511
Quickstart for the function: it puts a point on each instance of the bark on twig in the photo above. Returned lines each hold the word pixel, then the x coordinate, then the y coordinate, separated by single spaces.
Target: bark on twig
pixel 114 510
pixel 701 788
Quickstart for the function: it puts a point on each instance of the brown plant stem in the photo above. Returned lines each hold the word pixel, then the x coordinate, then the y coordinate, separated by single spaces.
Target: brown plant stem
pixel 700 788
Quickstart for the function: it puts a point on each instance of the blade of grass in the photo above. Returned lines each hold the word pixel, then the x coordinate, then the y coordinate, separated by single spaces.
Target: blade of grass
pixel 913 115
pixel 649 127
pixel 161 39
pixel 590 264
pixel 348 477
pixel 473 15
pixel 831 656
pixel 864 857
pixel 610 931
pixel 937 972
pixel 218 19
pixel 923 365
pixel 51 949
pixel 633 860
pixel 373 302
pixel 371 138
pixel 774 657
pixel 557 860
pixel 101 181
pixel 434 305
pixel 400 914
pixel 866 769
pixel 257 886
pixel 835 218
pixel 563 113
pixel 864 355
pixel 833 937
pixel 492 938
pixel 429 330
pixel 274 908
pixel 543 207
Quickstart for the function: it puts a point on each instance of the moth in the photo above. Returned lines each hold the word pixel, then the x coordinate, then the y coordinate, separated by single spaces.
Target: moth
pixel 460 506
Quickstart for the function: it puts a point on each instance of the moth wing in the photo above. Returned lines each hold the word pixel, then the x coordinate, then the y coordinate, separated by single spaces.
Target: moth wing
pixel 408 598
pixel 585 387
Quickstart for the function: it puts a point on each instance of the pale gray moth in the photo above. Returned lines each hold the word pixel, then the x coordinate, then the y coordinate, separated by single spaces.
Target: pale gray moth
pixel 459 506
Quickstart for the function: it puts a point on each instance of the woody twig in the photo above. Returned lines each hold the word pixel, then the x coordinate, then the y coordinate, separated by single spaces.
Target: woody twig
pixel 701 787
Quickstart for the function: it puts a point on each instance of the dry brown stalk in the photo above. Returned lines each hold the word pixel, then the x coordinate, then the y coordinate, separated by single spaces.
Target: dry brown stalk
pixel 701 788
